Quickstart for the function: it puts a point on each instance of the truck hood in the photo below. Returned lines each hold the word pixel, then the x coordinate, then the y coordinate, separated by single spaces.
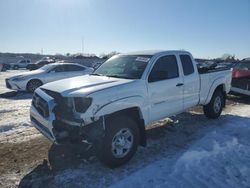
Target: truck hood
pixel 83 85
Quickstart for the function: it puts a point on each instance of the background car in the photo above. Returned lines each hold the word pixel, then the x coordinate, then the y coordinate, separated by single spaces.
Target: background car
pixel 20 64
pixel 4 67
pixel 241 77
pixel 40 63
pixel 29 81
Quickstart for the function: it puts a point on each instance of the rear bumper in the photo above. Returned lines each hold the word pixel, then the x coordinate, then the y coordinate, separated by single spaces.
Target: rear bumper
pixel 241 91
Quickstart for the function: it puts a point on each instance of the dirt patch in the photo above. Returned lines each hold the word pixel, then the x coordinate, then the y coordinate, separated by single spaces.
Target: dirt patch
pixel 19 158
pixel 14 157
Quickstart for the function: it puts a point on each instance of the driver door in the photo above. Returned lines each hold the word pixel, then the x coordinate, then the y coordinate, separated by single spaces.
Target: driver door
pixel 165 88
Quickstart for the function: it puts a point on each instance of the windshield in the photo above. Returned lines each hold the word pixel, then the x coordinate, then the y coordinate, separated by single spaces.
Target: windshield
pixel 124 66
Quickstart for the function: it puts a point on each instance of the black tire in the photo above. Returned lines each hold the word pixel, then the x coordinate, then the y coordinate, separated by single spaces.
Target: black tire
pixel 214 108
pixel 32 85
pixel 16 67
pixel 106 152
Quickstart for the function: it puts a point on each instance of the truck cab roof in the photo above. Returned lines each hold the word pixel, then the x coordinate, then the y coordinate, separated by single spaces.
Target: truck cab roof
pixel 156 52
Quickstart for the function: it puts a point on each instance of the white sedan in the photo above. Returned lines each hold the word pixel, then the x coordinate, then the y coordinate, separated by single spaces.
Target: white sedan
pixel 29 81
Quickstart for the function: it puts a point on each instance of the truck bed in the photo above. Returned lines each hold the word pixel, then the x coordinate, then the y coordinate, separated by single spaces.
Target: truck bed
pixel 208 78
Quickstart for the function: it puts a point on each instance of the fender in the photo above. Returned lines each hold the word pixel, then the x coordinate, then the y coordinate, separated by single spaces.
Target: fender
pixel 215 84
pixel 122 104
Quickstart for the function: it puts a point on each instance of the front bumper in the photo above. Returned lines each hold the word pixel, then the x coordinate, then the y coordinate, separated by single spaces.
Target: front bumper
pixel 44 124
pixel 15 85
pixel 59 130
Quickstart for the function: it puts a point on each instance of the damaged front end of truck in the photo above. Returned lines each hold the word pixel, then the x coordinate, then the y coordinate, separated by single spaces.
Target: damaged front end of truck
pixel 63 119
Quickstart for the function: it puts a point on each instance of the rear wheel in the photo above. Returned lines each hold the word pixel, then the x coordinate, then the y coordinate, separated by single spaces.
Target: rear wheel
pixel 120 141
pixel 33 85
pixel 214 108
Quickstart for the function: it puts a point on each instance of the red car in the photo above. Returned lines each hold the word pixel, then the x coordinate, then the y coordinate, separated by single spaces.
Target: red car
pixel 241 77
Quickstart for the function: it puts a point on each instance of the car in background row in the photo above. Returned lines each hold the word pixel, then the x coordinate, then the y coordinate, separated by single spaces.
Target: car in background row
pixel 39 64
pixel 46 58
pixel 241 77
pixel 20 64
pixel 4 67
pixel 30 81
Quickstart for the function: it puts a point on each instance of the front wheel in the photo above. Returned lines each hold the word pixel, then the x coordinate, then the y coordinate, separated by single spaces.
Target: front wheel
pixel 214 108
pixel 33 85
pixel 120 141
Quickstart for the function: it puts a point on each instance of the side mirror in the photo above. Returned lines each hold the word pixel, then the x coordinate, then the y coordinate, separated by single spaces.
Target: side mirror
pixel 157 76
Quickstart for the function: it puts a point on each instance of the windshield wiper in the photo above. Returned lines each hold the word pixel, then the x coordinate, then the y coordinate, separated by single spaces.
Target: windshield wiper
pixel 95 74
pixel 119 76
pixel 113 75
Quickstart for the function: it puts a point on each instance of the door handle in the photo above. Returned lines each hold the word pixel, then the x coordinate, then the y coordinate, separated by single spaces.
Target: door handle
pixel 179 84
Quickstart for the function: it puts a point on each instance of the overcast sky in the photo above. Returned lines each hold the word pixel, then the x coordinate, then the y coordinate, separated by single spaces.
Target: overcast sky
pixel 207 28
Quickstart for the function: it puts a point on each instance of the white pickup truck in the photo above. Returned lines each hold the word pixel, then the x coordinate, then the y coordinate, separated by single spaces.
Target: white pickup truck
pixel 112 107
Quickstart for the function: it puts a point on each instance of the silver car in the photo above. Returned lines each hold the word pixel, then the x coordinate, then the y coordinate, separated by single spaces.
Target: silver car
pixel 30 81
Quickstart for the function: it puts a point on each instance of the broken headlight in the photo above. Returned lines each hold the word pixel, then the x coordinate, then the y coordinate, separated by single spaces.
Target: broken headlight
pixel 82 104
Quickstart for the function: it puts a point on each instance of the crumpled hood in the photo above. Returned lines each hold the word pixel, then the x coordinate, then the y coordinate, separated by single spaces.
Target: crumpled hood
pixel 83 85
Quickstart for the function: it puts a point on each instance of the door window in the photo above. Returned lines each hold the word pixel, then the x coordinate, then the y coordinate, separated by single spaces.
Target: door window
pixel 165 68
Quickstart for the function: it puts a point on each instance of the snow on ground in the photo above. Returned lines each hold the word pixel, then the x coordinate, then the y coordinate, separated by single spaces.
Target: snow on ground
pixel 220 158
pixel 15 125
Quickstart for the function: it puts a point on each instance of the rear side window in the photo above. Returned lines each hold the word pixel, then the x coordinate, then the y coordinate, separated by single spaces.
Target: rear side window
pixel 74 68
pixel 59 68
pixel 187 64
pixel 165 68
